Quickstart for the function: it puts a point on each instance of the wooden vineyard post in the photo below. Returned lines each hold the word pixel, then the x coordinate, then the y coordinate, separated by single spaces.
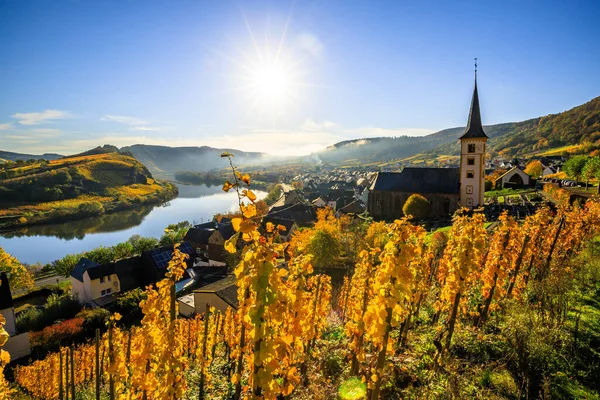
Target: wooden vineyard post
pixel 111 360
pixel 240 361
pixel 67 375
pixel 72 375
pixel 60 375
pixel 97 364
pixel 203 360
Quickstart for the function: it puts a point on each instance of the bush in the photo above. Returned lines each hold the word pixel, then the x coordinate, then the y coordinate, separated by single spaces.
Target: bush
pixel 417 206
pixel 52 337
pixel 56 307
pixel 93 318
pixel 128 304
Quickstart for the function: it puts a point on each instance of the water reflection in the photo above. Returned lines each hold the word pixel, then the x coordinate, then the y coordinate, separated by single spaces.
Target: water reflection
pixel 78 229
pixel 45 243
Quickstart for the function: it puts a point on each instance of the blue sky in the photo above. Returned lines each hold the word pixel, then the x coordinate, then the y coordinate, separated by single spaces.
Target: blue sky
pixel 279 76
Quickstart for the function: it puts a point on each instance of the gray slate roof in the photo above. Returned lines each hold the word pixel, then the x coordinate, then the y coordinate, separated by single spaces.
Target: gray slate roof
pixel 83 265
pixel 419 180
pixel 474 128
pixel 225 288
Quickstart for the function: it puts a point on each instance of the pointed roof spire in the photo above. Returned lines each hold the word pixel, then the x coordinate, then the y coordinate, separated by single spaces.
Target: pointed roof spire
pixel 474 128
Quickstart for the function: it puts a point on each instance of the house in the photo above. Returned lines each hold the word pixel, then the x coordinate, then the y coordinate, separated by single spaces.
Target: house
pixel 94 284
pixel 514 177
pixel 319 202
pixel 220 294
pixel 6 305
pixel 356 207
pixel 445 188
pixel 303 214
pixel 17 345
pixel 209 239
pixel 290 227
pixel 153 263
pixel 549 170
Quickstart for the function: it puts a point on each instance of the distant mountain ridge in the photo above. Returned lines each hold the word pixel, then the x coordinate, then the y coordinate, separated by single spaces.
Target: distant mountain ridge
pixel 163 160
pixel 578 127
pixel 10 156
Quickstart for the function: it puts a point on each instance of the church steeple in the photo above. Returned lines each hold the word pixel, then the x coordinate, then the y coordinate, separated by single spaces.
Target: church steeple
pixel 474 127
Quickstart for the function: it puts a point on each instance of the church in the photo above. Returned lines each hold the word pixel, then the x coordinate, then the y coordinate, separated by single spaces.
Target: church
pixel 447 189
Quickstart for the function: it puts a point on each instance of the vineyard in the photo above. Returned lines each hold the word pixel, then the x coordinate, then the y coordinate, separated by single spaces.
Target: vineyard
pixel 398 324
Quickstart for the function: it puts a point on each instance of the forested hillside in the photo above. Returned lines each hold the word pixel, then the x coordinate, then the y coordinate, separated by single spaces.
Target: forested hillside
pixel 39 191
pixel 10 156
pixel 576 130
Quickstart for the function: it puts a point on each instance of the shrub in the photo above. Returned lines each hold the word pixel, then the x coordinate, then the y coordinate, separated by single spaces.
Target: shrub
pixel 52 337
pixel 93 318
pixel 417 206
pixel 56 307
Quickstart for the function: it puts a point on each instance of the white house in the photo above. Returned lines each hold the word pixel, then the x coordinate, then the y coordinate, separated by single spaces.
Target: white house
pixel 220 295
pixel 93 283
pixel 514 177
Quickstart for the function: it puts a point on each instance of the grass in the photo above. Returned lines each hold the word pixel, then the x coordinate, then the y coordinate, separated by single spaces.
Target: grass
pixel 505 192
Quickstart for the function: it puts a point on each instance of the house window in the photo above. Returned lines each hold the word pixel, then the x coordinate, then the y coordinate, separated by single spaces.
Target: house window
pixel 470 174
pixel 471 148
pixel 469 201
pixel 108 278
pixel 471 161
pixel 102 279
pixel 106 292
pixel 469 189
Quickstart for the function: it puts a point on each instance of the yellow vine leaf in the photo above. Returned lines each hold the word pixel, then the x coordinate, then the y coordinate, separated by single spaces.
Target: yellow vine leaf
pixel 231 242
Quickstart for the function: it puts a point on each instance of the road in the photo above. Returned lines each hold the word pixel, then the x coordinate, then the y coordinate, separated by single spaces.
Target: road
pixel 50 280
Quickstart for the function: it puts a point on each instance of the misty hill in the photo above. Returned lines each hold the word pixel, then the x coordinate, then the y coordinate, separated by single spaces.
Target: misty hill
pixel 10 156
pixel 577 129
pixel 163 160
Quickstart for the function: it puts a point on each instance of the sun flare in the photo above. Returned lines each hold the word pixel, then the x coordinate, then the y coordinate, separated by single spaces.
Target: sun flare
pixel 270 82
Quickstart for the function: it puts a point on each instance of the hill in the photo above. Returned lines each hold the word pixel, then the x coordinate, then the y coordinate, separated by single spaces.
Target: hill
pixel 164 161
pixel 74 187
pixel 576 130
pixel 10 156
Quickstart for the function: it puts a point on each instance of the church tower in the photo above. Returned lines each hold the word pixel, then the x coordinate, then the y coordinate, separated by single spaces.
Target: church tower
pixel 472 157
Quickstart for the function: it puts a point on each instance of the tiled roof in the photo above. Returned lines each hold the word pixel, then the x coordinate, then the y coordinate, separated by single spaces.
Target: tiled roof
pixel 225 288
pixel 419 180
pixel 474 128
pixel 83 265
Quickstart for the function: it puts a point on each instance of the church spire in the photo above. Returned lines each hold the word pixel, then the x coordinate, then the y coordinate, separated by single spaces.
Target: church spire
pixel 474 128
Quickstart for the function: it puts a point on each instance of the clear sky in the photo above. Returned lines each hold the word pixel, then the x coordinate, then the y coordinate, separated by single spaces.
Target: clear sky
pixel 279 76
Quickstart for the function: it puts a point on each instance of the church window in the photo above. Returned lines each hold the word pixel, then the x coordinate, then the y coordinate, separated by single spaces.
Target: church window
pixel 469 201
pixel 471 148
pixel 469 189
pixel 471 161
pixel 470 174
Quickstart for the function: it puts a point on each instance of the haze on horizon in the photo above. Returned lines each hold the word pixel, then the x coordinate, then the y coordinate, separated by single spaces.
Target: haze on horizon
pixel 281 77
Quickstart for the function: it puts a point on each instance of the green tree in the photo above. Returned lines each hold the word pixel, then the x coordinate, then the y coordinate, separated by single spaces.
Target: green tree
pixel 417 206
pixel 574 166
pixel 534 169
pixel 325 248
pixel 592 171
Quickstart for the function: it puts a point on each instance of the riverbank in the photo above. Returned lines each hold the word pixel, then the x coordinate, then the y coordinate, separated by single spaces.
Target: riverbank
pixel 85 206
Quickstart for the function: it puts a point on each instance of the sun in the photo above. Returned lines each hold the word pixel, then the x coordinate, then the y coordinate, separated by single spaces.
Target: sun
pixel 271 82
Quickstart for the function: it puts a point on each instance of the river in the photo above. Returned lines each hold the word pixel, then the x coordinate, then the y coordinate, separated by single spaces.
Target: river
pixel 45 243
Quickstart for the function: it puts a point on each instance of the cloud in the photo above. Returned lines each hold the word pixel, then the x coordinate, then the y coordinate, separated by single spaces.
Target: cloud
pixel 121 119
pixel 310 43
pixel 36 118
pixel 146 128
pixel 7 126
pixel 135 124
